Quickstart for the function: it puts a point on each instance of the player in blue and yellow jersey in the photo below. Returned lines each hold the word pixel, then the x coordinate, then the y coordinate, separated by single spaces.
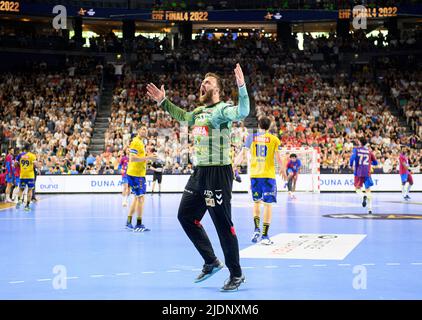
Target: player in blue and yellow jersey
pixel 27 161
pixel 136 171
pixel 263 148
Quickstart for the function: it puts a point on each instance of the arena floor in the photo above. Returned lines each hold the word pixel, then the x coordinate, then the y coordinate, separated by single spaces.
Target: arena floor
pixel 75 247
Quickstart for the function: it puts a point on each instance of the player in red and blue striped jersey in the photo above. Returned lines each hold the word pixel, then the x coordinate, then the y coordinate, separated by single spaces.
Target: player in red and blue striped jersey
pixel 292 169
pixel 361 161
pixel 124 161
pixel 405 174
pixel 9 174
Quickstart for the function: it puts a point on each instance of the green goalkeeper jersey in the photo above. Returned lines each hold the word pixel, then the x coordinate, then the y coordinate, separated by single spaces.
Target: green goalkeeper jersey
pixel 211 128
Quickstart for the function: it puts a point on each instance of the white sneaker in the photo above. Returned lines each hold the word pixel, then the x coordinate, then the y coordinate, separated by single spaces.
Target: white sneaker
pixel 256 235
pixel 9 200
pixel 124 203
pixel 265 240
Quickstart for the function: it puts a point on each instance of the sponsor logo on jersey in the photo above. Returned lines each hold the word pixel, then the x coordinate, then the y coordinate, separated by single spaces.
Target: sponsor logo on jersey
pixel 200 131
pixel 262 139
pixel 208 193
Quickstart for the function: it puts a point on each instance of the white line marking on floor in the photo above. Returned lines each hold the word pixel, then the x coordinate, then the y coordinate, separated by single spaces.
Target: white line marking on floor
pixel 367 264
pixel 148 272
pixel 295 266
pixel 173 271
pixel 18 281
pixel 40 280
pixel 270 267
pixel 96 275
pixel 196 269
pixel 71 278
pixel 248 267
pixel 344 264
pixel 416 263
pixel 319 265
pixel 123 274
pixel 392 264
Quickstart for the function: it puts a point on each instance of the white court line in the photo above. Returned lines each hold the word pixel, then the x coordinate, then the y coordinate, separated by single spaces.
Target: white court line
pixel 197 269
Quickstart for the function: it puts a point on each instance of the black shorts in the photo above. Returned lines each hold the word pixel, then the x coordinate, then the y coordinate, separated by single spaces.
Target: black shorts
pixel 157 177
pixel 211 182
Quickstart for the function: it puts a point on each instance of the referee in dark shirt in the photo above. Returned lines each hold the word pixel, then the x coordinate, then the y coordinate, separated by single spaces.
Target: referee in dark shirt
pixel 157 167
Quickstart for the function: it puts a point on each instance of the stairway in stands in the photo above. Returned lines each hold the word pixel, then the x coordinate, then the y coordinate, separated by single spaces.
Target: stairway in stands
pixel 101 122
pixel 395 109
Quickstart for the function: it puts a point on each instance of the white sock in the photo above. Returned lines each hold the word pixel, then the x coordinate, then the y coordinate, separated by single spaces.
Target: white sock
pixel 15 193
pixel 408 188
pixel 369 196
pixel 359 192
pixel 403 190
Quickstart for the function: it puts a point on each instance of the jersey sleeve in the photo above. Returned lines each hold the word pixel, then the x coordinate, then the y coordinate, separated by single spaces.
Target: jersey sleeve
pixel 248 141
pixel 374 161
pixel 178 113
pixel 401 160
pixel 233 113
pixel 134 148
pixel 352 157
pixel 277 143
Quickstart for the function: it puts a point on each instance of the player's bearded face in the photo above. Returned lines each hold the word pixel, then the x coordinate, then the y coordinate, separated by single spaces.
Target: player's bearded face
pixel 205 95
pixel 207 90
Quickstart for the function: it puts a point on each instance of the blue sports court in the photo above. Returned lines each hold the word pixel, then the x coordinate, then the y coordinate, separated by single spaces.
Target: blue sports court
pixel 76 247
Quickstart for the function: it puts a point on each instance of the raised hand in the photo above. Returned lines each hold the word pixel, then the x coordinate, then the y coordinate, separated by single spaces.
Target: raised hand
pixel 154 93
pixel 240 79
